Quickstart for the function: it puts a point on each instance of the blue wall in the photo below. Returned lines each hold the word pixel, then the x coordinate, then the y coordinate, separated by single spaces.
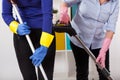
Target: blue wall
pixel 73 10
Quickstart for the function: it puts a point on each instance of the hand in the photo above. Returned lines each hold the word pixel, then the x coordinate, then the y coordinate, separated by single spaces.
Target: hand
pixel 23 29
pixel 102 54
pixel 39 55
pixel 64 17
pixel 101 58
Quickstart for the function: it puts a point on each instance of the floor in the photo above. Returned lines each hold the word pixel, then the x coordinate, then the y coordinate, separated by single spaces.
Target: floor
pixel 65 67
pixel 62 76
pixel 93 75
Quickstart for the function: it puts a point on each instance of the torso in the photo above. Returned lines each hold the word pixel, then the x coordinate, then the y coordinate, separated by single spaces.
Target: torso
pixel 90 20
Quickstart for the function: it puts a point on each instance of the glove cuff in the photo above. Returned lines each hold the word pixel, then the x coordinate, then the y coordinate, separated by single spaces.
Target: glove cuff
pixel 46 39
pixel 106 44
pixel 13 26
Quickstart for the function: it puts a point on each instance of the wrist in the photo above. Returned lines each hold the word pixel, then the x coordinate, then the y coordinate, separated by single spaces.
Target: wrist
pixel 106 44
pixel 13 26
pixel 102 52
pixel 46 39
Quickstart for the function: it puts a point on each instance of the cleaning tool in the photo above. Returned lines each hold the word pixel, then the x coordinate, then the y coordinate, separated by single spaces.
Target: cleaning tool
pixel 68 29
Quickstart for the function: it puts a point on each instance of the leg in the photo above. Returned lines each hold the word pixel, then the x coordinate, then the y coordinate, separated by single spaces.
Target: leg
pixel 81 59
pixel 101 76
pixel 23 52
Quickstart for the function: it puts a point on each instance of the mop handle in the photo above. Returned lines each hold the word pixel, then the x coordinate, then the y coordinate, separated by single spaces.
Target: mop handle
pixel 29 41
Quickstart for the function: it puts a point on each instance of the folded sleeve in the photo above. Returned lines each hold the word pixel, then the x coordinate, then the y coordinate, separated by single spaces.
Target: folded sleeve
pixel 111 24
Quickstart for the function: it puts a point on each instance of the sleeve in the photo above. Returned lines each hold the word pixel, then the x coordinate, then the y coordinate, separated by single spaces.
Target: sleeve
pixel 72 2
pixel 47 15
pixel 7 14
pixel 111 24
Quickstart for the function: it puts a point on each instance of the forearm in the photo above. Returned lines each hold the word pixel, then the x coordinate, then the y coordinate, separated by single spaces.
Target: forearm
pixel 47 23
pixel 47 15
pixel 109 34
pixel 105 46
pixel 107 41
pixel 7 14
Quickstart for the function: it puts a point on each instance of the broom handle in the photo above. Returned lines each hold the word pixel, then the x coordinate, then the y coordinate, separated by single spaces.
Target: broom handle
pixel 30 43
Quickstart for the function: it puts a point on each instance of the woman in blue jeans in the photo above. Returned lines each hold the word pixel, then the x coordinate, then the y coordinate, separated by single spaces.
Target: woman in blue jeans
pixel 94 22
pixel 37 18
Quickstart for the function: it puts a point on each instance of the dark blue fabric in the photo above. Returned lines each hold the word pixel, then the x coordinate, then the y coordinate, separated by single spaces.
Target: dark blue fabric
pixel 37 13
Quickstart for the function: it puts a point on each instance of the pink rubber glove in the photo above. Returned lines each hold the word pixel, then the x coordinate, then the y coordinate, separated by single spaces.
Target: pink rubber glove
pixel 102 54
pixel 64 17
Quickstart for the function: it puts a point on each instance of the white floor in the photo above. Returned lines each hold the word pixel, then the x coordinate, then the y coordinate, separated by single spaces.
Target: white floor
pixel 9 69
pixel 65 68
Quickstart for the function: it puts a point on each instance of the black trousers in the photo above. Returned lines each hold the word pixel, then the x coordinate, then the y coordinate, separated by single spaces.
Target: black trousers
pixel 82 59
pixel 23 52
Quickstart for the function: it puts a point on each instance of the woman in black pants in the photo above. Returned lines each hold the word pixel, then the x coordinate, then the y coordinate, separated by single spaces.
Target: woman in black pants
pixel 23 52
pixel 94 22
pixel 37 18
pixel 82 59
